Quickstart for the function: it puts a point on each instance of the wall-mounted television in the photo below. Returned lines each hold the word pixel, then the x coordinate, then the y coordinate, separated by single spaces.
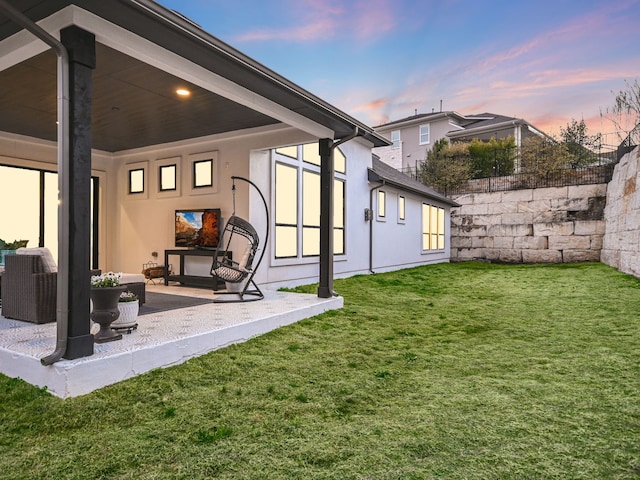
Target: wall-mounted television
pixel 198 228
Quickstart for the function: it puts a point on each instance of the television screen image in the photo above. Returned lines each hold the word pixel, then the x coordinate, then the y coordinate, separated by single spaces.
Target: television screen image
pixel 199 228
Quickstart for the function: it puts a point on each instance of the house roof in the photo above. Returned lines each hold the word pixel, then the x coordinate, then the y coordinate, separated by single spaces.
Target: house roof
pixel 383 173
pixel 132 107
pixel 467 124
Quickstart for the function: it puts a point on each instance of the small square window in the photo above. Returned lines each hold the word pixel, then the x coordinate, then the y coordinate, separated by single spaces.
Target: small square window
pixel 136 180
pixel 203 173
pixel 167 176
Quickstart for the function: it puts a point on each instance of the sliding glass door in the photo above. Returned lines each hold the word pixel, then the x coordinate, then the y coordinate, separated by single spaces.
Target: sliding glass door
pixel 29 208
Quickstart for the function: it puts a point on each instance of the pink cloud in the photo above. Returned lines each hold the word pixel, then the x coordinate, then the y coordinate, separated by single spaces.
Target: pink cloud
pixel 325 19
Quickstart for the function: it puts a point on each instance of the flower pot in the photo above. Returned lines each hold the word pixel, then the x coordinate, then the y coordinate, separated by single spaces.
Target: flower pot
pixel 105 311
pixel 128 319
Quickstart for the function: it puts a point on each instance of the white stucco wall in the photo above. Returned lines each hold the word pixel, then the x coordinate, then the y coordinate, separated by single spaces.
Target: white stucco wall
pixel 132 226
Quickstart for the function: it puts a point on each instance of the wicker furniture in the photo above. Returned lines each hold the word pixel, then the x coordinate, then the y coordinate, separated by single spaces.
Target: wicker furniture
pixel 28 292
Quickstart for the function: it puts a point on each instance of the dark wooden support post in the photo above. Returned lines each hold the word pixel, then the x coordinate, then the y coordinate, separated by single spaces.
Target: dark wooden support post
pixel 325 289
pixel 81 46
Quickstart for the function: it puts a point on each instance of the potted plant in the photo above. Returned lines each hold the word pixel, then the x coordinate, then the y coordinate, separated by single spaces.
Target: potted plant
pixel 105 293
pixel 129 306
pixel 8 248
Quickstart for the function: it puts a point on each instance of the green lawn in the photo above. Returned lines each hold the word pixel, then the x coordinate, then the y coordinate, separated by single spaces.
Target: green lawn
pixel 452 371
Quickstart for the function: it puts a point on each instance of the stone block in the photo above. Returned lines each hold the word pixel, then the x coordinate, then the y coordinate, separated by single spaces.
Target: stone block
pixel 534 206
pixel 589 227
pixel 517 218
pixel 466 199
pixel 510 255
pixel 474 209
pixel 572 256
pixel 611 258
pixel 470 253
pixel 510 230
pixel 492 254
pixel 548 229
pixel 490 198
pixel 596 242
pixel 472 230
pixel 503 242
pixel 541 256
pixel 486 220
pixel 550 217
pixel 586 191
pixel 461 242
pixel 503 207
pixel 550 192
pixel 531 243
pixel 479 242
pixel 570 242
pixel 517 196
pixel 573 204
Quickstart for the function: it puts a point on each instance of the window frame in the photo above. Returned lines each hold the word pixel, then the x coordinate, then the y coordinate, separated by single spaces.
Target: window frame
pixel 194 166
pixel 433 230
pixel 130 181
pixel 421 134
pixel 402 209
pixel 282 156
pixel 161 170
pixel 396 142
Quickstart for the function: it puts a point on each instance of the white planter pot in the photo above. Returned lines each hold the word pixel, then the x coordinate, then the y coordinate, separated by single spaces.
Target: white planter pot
pixel 128 315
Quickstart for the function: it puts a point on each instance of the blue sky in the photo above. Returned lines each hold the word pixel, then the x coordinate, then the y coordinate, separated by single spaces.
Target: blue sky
pixel 381 60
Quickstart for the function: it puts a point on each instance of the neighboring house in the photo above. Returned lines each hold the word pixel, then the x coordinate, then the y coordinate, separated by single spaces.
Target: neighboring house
pixel 148 151
pixel 414 136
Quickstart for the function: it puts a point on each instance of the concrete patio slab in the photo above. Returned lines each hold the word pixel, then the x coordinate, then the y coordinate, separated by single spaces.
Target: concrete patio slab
pixel 162 339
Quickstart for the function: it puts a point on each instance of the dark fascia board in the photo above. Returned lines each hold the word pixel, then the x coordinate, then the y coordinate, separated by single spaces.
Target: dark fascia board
pixel 380 172
pixel 176 33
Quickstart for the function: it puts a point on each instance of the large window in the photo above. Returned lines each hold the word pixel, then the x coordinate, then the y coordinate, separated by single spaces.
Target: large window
pixel 432 227
pixel 425 131
pixel 30 197
pixel 297 202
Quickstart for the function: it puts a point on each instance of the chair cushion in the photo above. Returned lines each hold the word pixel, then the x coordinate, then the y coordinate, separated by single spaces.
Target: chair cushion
pixel 131 278
pixel 48 262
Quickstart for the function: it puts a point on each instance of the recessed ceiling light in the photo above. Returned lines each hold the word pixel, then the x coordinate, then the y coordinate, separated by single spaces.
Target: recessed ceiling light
pixel 183 92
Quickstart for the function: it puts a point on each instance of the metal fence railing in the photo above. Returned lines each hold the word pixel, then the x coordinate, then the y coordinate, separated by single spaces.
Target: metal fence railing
pixel 519 181
pixel 591 167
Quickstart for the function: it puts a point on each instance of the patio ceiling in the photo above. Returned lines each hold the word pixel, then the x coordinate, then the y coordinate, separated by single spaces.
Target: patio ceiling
pixel 134 103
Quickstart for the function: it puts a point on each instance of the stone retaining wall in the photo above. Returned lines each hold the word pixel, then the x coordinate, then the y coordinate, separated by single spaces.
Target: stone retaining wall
pixel 621 243
pixel 543 225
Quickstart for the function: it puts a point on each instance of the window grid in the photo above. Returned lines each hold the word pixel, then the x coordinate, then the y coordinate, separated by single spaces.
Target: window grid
pixel 299 234
pixel 395 138
pixel 433 225
pixel 425 131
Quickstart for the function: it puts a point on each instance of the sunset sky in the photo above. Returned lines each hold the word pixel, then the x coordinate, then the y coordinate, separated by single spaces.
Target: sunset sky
pixel 381 60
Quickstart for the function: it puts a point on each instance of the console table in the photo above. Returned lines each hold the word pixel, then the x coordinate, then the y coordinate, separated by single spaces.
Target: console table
pixel 193 280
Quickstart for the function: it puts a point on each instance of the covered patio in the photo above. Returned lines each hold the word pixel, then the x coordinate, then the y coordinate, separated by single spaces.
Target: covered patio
pixel 98 92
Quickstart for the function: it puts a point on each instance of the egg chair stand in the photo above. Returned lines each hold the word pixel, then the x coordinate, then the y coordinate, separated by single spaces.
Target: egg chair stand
pixel 240 272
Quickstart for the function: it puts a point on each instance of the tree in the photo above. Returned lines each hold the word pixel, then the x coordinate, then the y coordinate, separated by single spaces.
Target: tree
pixel 625 113
pixel 581 146
pixel 493 158
pixel 447 166
pixel 542 157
